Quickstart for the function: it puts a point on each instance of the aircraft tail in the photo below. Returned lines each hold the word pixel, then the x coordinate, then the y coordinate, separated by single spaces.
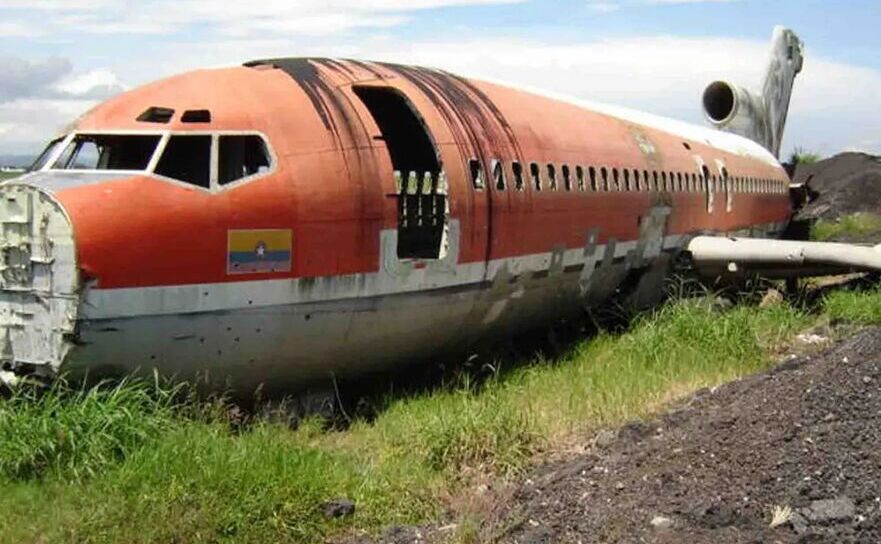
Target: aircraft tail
pixel 759 117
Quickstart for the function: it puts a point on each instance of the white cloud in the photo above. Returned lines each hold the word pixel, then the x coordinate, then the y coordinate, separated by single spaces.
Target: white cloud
pixel 39 98
pixel 665 75
pixel 95 84
pixel 310 17
pixel 660 74
pixel 605 6
pixel 672 2
pixel 53 78
pixel 13 29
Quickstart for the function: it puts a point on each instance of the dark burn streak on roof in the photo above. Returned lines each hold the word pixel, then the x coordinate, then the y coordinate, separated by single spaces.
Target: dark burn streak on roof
pixel 330 104
pixel 476 123
pixel 473 118
pixel 321 94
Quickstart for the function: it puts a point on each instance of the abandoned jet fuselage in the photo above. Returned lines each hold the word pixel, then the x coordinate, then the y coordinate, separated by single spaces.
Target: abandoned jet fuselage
pixel 290 219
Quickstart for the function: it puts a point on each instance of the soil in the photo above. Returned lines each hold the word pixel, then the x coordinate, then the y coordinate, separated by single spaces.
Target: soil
pixel 804 437
pixel 842 185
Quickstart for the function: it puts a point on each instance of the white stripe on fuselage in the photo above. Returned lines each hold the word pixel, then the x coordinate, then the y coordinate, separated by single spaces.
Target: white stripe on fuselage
pixel 393 278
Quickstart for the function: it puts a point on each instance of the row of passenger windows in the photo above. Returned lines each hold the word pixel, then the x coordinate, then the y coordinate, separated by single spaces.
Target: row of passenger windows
pixel 603 179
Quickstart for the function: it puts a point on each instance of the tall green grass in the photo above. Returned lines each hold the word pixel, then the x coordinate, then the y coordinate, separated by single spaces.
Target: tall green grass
pixel 156 473
pixel 861 308
pixel 858 226
pixel 73 434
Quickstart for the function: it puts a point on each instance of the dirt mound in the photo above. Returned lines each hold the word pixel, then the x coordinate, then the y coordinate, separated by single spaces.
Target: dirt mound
pixel 803 438
pixel 842 185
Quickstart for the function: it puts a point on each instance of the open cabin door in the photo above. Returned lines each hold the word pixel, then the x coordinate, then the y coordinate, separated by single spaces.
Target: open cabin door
pixel 420 186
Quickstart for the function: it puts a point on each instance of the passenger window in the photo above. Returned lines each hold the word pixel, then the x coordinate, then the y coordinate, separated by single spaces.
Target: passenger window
pixel 626 179
pixel 604 172
pixel 579 176
pixel 552 177
pixel 567 178
pixel 499 175
pixel 616 180
pixel 517 168
pixel 187 159
pixel 592 172
pixel 535 172
pixel 476 174
pixel 241 157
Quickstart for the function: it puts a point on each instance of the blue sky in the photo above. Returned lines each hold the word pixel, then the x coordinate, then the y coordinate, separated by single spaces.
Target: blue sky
pixel 656 55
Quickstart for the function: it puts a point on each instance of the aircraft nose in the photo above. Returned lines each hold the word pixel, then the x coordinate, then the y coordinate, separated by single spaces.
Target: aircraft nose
pixel 39 283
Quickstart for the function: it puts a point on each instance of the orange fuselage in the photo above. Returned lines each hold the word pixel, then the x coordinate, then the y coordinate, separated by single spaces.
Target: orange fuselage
pixel 531 181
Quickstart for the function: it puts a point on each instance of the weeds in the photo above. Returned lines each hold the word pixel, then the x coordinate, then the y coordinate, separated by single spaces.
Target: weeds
pixel 71 434
pixel 858 226
pixel 127 463
pixel 861 308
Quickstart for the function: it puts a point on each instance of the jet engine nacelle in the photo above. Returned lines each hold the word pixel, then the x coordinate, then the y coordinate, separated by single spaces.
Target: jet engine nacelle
pixel 736 110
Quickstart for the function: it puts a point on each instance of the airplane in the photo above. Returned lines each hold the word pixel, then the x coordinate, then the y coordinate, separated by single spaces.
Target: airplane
pixel 288 220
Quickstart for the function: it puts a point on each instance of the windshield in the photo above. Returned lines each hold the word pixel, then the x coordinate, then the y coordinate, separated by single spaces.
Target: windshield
pixel 108 152
pixel 45 155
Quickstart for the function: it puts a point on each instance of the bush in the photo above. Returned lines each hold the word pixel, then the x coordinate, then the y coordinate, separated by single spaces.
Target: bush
pixel 802 156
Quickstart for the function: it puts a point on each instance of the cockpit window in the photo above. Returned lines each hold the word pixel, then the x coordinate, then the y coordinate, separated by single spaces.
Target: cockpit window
pixel 46 155
pixel 107 152
pixel 241 157
pixel 187 159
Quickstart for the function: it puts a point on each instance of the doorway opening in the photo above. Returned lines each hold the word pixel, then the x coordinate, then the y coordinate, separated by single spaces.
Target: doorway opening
pixel 420 183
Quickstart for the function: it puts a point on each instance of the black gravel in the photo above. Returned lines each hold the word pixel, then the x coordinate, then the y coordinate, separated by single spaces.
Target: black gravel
pixel 804 437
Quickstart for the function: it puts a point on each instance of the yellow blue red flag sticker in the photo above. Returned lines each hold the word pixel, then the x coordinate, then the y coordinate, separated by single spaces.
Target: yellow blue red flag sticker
pixel 259 251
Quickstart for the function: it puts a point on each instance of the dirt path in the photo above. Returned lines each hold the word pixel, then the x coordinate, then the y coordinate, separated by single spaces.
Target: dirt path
pixel 805 436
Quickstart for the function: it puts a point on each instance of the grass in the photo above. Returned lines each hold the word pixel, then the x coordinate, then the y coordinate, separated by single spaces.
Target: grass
pixel 131 464
pixel 78 433
pixel 9 175
pixel 858 226
pixel 860 308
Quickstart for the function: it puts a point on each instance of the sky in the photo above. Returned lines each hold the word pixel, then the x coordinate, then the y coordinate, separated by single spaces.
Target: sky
pixel 59 57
